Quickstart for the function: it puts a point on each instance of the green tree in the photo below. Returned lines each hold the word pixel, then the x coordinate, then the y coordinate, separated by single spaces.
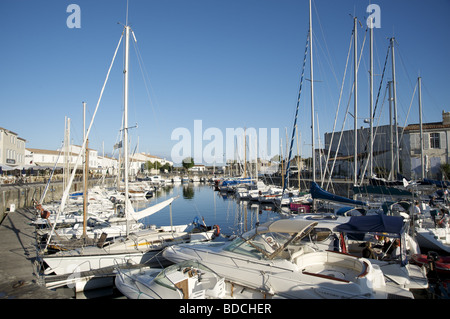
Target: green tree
pixel 153 165
pixel 188 162
pixel 167 167
pixel 148 165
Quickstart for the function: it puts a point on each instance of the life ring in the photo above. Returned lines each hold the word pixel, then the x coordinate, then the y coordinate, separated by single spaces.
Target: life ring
pixel 216 230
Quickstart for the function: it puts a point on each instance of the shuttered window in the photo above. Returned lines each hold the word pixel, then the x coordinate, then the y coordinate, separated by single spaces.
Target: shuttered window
pixel 435 140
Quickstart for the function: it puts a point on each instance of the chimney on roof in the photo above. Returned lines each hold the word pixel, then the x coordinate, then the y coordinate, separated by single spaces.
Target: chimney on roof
pixel 445 118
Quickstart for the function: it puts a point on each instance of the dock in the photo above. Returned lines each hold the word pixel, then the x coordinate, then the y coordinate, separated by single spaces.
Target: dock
pixel 18 277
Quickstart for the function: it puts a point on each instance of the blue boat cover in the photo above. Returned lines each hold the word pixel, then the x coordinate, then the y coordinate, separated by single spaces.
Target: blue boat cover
pixel 247 180
pixel 319 193
pixel 379 223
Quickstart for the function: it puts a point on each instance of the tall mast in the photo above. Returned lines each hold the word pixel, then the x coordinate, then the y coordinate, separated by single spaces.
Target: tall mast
pixel 125 118
pixel 85 168
pixel 66 153
pixel 298 162
pixel 256 157
pixel 245 154
pixel 391 133
pixel 312 94
pixel 422 162
pixel 394 92
pixel 371 100
pixel 355 115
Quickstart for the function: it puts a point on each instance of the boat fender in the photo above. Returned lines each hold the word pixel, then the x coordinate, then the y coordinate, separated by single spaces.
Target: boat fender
pixel 196 221
pixel 216 230
pixel 45 214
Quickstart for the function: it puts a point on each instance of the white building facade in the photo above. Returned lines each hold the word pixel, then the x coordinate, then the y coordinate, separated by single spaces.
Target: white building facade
pixel 69 158
pixel 436 146
pixel 138 161
pixel 12 149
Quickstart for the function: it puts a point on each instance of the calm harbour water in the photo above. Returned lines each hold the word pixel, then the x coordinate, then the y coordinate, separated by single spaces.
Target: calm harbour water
pixel 202 201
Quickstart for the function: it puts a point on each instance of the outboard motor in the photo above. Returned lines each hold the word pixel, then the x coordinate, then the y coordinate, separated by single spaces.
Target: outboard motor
pixel 432 257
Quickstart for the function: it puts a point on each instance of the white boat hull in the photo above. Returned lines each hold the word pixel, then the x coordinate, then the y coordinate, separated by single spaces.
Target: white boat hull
pixel 434 238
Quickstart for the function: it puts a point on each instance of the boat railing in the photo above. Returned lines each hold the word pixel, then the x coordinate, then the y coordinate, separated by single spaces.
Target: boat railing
pixel 234 259
pixel 103 262
pixel 124 274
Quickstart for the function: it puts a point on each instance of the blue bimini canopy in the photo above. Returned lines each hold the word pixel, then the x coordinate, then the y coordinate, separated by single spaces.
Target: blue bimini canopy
pixel 382 224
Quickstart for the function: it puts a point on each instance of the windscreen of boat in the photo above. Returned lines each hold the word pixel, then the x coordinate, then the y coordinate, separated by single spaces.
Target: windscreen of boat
pixel 261 245
pixel 161 278
pixel 243 247
pixel 318 234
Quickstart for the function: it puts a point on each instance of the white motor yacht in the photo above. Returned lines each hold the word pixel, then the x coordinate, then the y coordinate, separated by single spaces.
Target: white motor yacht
pixel 186 280
pixel 351 234
pixel 272 258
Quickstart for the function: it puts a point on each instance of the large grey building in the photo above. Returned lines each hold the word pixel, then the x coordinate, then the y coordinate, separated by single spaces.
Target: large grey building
pixel 342 148
pixel 436 145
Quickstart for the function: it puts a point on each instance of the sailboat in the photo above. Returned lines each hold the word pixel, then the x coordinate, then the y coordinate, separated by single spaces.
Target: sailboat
pixel 135 247
pixel 114 224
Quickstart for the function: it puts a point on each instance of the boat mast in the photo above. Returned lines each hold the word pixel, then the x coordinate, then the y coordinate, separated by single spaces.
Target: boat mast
pixel 298 162
pixel 371 99
pixel 66 153
pixel 355 115
pixel 394 92
pixel 256 157
pixel 391 133
pixel 312 94
pixel 125 119
pixel 85 171
pixel 245 154
pixel 422 164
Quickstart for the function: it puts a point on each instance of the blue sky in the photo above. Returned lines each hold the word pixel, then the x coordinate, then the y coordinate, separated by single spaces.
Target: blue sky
pixel 231 64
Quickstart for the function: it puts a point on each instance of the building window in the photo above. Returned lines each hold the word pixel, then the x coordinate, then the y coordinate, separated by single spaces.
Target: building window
pixel 435 140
